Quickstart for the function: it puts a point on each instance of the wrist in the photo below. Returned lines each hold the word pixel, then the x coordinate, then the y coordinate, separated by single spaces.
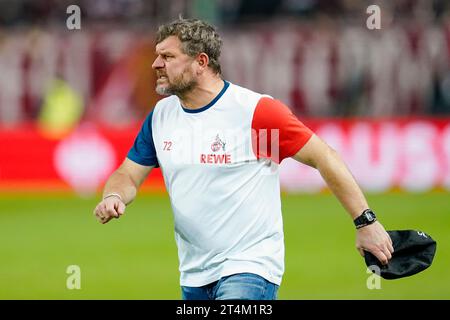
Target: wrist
pixel 366 218
pixel 113 194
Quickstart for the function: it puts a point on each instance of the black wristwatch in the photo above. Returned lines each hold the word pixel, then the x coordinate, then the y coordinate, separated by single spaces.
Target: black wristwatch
pixel 366 218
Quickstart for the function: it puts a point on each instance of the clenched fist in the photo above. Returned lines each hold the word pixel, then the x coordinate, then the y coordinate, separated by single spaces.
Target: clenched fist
pixel 110 207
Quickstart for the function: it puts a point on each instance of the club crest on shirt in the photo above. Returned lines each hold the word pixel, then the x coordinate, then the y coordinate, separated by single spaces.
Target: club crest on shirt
pixel 217 144
pixel 216 158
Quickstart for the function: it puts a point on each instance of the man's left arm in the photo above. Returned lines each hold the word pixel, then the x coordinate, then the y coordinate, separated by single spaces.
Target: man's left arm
pixel 317 154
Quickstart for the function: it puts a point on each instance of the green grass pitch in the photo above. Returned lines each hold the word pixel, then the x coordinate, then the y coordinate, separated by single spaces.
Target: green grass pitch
pixel 135 257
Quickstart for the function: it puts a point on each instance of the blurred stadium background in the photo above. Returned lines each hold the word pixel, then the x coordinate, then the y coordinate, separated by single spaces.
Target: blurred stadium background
pixel 71 102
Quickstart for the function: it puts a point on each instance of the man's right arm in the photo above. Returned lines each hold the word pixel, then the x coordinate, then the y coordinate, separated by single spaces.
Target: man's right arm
pixel 120 190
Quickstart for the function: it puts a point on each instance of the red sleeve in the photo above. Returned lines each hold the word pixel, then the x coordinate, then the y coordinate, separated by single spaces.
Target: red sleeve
pixel 276 132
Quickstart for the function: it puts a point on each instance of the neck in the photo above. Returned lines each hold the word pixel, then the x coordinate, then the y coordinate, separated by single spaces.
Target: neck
pixel 202 94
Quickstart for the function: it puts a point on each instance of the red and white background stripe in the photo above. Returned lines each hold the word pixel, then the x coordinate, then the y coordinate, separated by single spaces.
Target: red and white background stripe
pixel 413 155
pixel 407 154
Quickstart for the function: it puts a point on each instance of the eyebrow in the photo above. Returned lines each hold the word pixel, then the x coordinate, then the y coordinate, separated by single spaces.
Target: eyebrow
pixel 163 52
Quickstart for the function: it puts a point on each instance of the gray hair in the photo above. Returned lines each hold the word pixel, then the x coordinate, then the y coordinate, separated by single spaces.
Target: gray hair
pixel 196 37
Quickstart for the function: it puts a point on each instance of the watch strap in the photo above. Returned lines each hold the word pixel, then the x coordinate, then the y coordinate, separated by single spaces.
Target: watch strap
pixel 367 217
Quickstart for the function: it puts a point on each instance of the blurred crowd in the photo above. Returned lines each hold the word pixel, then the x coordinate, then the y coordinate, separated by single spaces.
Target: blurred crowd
pixel 134 12
pixel 315 55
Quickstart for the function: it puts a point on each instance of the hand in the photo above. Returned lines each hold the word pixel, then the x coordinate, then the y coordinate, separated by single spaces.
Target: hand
pixel 111 207
pixel 376 240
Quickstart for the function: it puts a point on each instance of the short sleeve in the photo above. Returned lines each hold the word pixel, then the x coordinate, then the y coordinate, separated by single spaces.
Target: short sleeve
pixel 143 151
pixel 276 132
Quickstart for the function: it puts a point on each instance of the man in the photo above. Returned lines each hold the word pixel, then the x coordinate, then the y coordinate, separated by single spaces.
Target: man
pixel 219 146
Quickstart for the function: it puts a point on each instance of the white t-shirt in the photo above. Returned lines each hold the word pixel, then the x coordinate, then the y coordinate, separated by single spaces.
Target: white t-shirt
pixel 220 167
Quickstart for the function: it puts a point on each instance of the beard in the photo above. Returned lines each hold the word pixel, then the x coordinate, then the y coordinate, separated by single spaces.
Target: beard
pixel 180 86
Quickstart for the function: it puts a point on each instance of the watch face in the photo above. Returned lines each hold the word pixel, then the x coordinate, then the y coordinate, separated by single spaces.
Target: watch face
pixel 369 216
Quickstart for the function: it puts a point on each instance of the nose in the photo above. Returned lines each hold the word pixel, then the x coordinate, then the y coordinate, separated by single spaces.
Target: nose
pixel 158 63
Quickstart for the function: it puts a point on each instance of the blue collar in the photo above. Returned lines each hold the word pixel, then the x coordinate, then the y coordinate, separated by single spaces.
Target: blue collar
pixel 209 105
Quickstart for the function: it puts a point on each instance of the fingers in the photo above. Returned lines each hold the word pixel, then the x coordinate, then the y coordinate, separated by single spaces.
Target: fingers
pixel 104 220
pixel 108 209
pixel 101 214
pixel 390 248
pixel 387 248
pixel 390 245
pixel 111 209
pixel 98 213
pixel 361 251
pixel 375 240
pixel 381 256
pixel 383 252
pixel 390 241
pixel 121 208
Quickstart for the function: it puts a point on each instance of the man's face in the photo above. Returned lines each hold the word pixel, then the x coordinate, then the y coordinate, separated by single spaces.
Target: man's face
pixel 174 69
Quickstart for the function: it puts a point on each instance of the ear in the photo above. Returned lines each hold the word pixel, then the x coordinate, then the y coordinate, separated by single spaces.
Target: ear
pixel 202 61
